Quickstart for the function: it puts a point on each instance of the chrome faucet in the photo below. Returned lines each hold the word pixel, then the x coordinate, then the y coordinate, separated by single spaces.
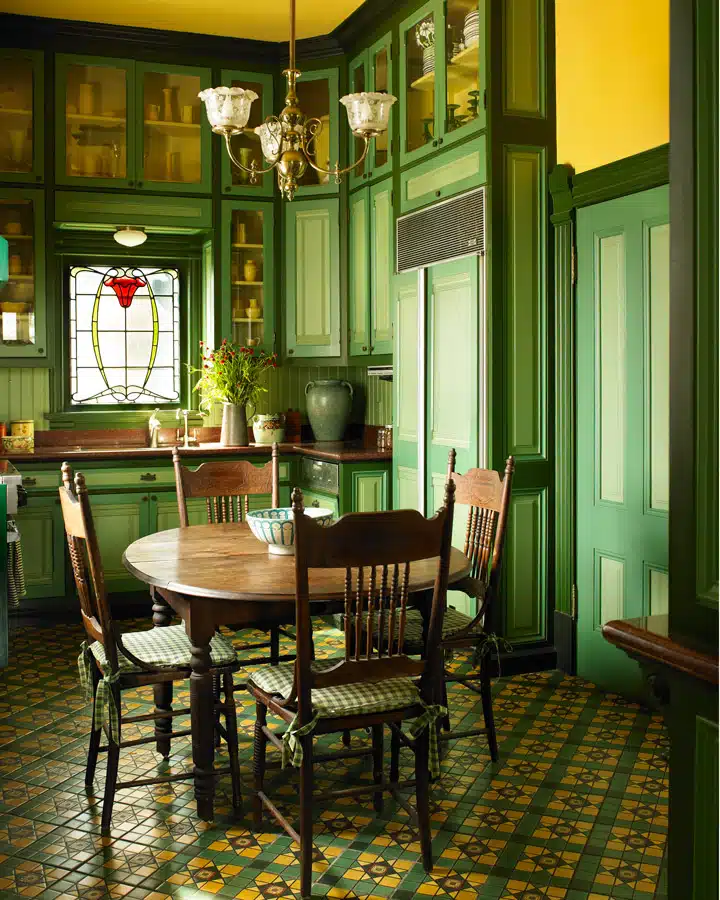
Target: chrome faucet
pixel 187 440
pixel 154 428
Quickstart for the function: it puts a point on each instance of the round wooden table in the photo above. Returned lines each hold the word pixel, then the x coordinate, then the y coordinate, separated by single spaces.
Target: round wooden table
pixel 213 575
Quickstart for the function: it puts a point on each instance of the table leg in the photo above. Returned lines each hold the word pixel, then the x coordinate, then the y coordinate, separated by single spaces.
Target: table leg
pixel 163 692
pixel 161 610
pixel 200 631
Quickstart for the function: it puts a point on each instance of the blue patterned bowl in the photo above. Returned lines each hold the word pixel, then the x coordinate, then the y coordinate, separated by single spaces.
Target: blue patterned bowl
pixel 277 529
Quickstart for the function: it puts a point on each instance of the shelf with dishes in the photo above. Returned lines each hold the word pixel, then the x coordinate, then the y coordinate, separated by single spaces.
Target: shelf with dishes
pixel 90 119
pixel 462 71
pixel 238 320
pixel 25 278
pixel 247 283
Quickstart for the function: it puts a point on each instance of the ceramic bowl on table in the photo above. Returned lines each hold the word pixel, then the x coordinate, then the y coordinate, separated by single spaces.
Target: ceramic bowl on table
pixel 18 443
pixel 276 527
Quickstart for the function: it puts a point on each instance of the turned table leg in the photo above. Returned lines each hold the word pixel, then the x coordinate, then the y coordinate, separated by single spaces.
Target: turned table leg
pixel 161 610
pixel 200 632
pixel 163 692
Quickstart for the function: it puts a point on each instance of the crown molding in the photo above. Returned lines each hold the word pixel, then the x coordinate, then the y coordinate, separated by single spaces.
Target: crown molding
pixel 359 23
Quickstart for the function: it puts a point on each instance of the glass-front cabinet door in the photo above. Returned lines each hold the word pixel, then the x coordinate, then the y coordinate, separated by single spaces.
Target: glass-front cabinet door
pixel 22 297
pixel 95 123
pixel 371 70
pixel 246 146
pixel 318 98
pixel 21 115
pixel 247 268
pixel 175 135
pixel 442 85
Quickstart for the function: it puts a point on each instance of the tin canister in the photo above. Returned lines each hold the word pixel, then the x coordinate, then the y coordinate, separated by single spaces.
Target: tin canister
pixel 22 428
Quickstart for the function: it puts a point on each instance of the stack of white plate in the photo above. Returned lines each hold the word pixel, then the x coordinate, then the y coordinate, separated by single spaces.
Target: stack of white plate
pixel 428 59
pixel 471 30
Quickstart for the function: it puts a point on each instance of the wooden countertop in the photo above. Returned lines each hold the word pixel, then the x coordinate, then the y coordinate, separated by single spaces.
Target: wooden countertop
pixel 340 452
pixel 649 637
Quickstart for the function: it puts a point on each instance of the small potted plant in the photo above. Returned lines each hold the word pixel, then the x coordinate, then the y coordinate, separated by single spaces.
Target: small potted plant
pixel 231 375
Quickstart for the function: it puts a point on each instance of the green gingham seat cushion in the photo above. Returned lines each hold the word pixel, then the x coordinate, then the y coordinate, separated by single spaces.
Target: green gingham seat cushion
pixel 167 647
pixel 453 622
pixel 346 700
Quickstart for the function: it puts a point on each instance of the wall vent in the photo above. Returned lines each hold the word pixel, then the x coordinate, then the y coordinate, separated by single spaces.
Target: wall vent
pixel 443 231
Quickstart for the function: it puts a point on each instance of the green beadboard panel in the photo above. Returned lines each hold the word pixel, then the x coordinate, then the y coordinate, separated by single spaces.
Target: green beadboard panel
pixel 25 394
pixel 525 279
pixel 525 603
pixel 705 851
pixel 523 88
pixel 286 390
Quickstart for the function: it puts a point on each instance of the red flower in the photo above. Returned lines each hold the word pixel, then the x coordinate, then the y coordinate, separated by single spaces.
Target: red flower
pixel 125 288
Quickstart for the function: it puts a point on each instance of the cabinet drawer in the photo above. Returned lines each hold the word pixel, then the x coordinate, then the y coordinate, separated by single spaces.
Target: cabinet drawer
pixel 145 477
pixel 321 475
pixel 324 501
pixel 34 480
pixel 450 173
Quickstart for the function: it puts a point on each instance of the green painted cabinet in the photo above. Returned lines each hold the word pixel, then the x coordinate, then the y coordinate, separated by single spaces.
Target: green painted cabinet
pixel 43 542
pixel 119 520
pixel 248 273
pixel 312 278
pixel 21 116
pixel 459 169
pixel 371 269
pixel 246 146
pixel 321 500
pixel 131 125
pixel 408 398
pixel 318 97
pixel 442 76
pixel 23 297
pixel 372 70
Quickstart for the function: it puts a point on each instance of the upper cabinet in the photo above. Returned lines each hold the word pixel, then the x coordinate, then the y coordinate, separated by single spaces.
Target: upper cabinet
pixel 131 125
pixel 372 70
pixel 246 146
pixel 318 98
pixel 21 116
pixel 442 75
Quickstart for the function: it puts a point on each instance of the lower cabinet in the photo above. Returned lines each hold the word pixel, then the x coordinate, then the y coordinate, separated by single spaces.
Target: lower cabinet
pixel 119 520
pixel 43 544
pixel 324 501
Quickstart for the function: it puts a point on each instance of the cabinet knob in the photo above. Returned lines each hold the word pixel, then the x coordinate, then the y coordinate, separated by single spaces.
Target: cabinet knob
pixel 144 499
pixel 364 175
pixel 315 503
pixel 153 497
pixel 41 349
pixel 131 184
pixel 139 184
pixel 364 349
pixel 369 174
pixel 371 348
pixel 29 482
pixel 290 352
pixel 438 193
pixel 228 189
pixel 440 140
pixel 148 476
pixel 434 143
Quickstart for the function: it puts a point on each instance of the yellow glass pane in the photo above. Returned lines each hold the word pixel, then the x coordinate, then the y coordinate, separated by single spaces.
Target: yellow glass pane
pixel 420 79
pixel 462 66
pixel 380 68
pixel 172 145
pixel 16 115
pixel 17 296
pixel 246 273
pixel 246 146
pixel 314 98
pixel 96 122
pixel 357 87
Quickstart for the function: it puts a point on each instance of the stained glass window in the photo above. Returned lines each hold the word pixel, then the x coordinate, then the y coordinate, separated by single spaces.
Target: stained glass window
pixel 124 335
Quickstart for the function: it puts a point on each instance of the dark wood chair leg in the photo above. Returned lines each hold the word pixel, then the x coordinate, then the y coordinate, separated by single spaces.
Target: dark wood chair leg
pixel 259 747
pixel 163 692
pixel 216 698
pixel 446 718
pixel 394 756
pixel 95 735
pixel 422 781
pixel 232 738
pixel 113 758
pixel 346 738
pixel 377 755
pixel 274 645
pixel 306 841
pixel 486 697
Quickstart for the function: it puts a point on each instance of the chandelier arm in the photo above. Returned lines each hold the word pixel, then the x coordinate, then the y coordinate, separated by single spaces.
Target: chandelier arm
pixel 252 169
pixel 337 172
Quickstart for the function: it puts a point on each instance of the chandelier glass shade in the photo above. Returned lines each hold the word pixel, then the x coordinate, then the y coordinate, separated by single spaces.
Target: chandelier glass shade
pixel 288 139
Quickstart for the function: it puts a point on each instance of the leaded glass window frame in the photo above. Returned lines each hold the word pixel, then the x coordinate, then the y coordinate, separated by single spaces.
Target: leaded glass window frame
pixel 116 299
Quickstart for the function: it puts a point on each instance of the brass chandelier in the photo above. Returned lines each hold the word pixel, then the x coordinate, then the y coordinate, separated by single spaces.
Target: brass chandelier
pixel 288 140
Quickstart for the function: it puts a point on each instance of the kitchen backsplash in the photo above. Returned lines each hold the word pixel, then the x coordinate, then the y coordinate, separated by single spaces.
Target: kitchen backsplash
pixel 25 393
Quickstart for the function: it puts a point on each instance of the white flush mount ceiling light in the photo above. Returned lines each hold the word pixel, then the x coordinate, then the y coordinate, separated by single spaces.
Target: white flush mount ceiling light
pixel 288 140
pixel 130 237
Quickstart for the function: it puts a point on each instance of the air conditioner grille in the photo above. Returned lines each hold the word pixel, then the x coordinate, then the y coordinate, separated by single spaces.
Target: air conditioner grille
pixel 443 231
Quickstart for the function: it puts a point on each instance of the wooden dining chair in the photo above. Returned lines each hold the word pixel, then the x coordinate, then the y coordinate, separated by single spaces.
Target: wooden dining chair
pixel 226 486
pixel 113 662
pixel 369 686
pixel 488 497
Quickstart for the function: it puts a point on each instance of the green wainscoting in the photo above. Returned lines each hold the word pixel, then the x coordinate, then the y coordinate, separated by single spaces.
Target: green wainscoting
pixel 526 567
pixel 24 394
pixel 622 424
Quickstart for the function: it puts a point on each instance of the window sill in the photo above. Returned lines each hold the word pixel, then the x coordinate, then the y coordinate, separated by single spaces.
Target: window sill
pixel 82 419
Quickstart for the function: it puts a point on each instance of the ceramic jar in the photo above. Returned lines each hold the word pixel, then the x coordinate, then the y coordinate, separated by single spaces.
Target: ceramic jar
pixel 250 270
pixel 253 309
pixel 268 428
pixel 328 406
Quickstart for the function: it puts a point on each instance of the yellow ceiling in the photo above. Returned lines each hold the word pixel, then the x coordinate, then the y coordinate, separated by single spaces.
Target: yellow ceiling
pixel 266 20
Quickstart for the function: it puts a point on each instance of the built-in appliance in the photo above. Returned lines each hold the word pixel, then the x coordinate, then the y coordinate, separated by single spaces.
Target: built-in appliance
pixel 16 494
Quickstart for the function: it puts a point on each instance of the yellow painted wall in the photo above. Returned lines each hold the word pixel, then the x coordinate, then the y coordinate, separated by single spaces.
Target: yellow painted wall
pixel 613 66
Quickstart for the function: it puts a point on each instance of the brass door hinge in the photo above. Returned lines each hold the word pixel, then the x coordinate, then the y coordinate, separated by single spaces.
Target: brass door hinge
pixel 573 265
pixel 573 601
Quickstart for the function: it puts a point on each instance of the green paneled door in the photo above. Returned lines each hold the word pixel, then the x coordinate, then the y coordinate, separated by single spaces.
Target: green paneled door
pixel 622 424
pixel 453 339
pixel 409 365
pixel 382 266
pixel 43 541
pixel 312 287
pixel 119 520
pixel 359 280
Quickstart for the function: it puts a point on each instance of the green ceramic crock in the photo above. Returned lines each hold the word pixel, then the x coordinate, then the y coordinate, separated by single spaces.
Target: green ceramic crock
pixel 328 407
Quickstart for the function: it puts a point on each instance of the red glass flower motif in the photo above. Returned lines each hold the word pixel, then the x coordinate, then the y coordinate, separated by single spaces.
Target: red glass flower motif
pixel 125 288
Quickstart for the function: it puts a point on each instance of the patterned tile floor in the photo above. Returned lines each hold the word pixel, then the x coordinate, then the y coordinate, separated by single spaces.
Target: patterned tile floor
pixel 575 808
